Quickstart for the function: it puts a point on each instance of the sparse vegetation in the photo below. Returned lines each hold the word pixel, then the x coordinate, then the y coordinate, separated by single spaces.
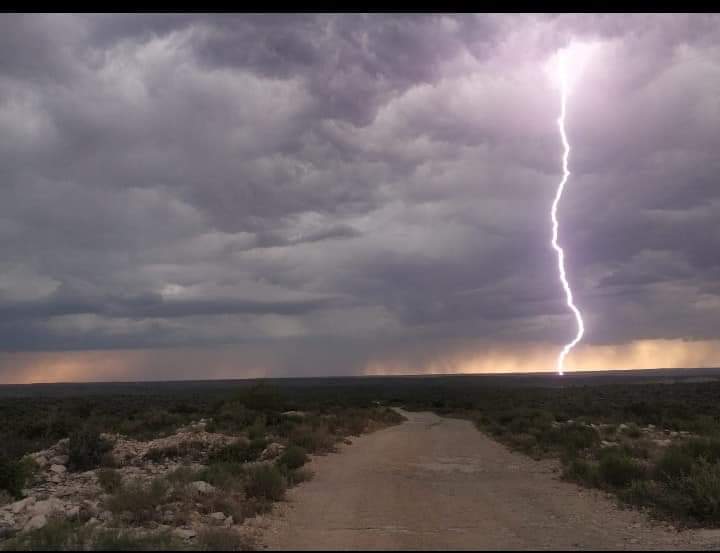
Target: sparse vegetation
pixel 86 449
pixel 135 503
pixel 293 457
pixel 265 482
pixel 223 539
pixel 110 480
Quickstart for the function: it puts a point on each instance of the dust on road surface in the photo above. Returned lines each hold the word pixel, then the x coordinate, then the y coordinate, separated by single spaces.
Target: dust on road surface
pixel 438 483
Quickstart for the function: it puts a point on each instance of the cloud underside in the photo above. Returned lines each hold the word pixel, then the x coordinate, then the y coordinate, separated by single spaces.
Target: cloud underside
pixel 345 191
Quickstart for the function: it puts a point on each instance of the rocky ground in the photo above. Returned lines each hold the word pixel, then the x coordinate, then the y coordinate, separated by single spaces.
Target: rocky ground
pixel 56 492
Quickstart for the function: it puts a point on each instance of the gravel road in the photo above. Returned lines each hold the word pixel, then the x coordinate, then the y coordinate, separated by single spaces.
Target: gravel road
pixel 438 483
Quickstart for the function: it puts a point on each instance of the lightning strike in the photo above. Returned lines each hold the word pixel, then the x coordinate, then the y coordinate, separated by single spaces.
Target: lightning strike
pixel 563 76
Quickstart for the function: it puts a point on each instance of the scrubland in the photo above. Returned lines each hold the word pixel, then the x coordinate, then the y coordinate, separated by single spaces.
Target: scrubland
pixel 161 471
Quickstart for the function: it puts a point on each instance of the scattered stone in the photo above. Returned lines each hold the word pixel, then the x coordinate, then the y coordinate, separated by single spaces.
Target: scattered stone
pixel 202 487
pixel 709 534
pixel 55 479
pixel 40 461
pixel 59 460
pixel 272 451
pixel 19 506
pixel 184 533
pixel 35 523
pixel 58 469
pixel 47 507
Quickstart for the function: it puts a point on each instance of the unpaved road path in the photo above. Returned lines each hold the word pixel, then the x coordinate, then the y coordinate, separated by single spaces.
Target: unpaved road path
pixel 438 483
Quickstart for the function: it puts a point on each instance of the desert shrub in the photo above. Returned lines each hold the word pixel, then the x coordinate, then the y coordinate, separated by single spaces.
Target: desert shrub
pixel 523 441
pixel 110 480
pixel 137 501
pixel 297 476
pixel 157 454
pixel 223 539
pixel 86 449
pixel 703 448
pixel 293 457
pixel 14 474
pixel 223 475
pixel 238 452
pixel 253 506
pixel 643 493
pixel 183 475
pixel 702 487
pixel 674 462
pixel 265 482
pixel 581 470
pixel 575 437
pixel 57 535
pixel 114 539
pixel 313 440
pixel 617 469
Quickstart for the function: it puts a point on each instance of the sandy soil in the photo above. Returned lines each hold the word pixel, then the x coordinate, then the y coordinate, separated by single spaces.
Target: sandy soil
pixel 438 483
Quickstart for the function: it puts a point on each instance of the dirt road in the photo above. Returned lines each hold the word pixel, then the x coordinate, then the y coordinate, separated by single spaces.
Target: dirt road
pixel 438 483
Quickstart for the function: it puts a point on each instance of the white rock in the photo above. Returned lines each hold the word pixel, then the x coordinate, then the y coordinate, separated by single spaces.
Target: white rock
pixel 47 507
pixel 19 506
pixel 35 523
pixel 202 487
pixel 183 533
pixel 217 516
pixel 58 469
pixel 59 460
pixel 271 451
pixel 41 461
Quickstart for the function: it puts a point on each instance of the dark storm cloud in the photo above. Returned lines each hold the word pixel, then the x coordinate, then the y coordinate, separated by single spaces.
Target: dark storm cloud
pixel 325 180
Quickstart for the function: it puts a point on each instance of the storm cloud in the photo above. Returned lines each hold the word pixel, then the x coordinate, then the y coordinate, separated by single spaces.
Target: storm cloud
pixel 330 194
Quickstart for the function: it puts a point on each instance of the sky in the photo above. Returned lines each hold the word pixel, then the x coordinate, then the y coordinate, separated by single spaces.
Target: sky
pixel 232 196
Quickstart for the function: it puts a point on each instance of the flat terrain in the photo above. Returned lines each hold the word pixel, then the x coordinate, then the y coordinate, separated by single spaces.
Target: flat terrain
pixel 438 483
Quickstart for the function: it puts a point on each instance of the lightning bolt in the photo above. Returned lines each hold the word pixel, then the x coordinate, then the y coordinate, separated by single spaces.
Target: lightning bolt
pixel 555 224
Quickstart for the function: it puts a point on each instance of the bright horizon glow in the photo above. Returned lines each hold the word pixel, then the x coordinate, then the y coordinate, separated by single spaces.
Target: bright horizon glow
pixel 566 67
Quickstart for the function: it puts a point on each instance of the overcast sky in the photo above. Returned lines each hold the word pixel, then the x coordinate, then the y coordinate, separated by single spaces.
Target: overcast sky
pixel 231 196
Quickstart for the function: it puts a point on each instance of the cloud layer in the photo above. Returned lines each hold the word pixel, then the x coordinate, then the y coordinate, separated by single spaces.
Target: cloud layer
pixel 333 193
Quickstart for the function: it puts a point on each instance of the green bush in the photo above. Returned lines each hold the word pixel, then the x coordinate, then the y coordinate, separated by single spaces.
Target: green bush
pixel 86 450
pixel 114 539
pixel 223 539
pixel 238 452
pixel 618 469
pixel 674 463
pixel 14 474
pixel 110 480
pixel 313 440
pixel 224 475
pixel 138 501
pixel 265 482
pixel 703 448
pixel 293 457
pixel 56 535
pixel 581 470
pixel 702 487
